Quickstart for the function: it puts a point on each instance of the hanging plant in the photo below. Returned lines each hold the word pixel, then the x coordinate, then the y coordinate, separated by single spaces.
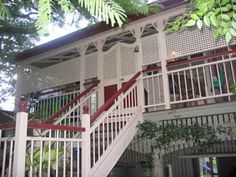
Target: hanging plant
pixel 218 15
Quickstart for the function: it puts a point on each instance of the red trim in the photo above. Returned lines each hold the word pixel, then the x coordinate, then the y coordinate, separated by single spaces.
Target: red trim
pixel 54 127
pixel 177 63
pixel 126 86
pixel 150 69
pixel 53 117
pixel 57 90
pixel 43 126
pixel 8 126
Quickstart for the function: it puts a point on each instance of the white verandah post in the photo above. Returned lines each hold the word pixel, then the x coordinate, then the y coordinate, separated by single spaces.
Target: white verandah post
pixel 85 123
pixel 163 57
pixel 20 144
pixel 137 32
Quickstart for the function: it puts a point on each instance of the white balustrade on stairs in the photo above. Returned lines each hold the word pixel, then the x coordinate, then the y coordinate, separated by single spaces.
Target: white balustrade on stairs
pixel 93 152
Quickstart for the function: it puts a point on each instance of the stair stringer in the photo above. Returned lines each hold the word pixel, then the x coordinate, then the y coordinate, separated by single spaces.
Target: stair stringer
pixel 117 148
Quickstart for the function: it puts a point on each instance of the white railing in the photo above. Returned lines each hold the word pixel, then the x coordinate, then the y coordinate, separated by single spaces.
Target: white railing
pixel 72 116
pixel 69 114
pixel 208 80
pixel 46 156
pixel 56 154
pixel 153 90
pixel 201 80
pixel 6 154
pixel 47 105
pixel 92 151
pixel 119 115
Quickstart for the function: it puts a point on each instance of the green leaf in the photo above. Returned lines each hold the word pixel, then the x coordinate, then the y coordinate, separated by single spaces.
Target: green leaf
pixel 234 25
pixel 232 31
pixel 190 23
pixel 224 2
pixel 217 11
pixel 206 21
pixel 234 16
pixel 224 9
pixel 228 37
pixel 199 24
pixel 225 17
pixel 211 4
pixel 234 7
pixel 229 6
pixel 202 7
pixel 194 16
pixel 213 20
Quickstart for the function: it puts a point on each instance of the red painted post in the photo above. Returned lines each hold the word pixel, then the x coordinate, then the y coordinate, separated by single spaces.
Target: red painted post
pixel 22 106
pixel 85 109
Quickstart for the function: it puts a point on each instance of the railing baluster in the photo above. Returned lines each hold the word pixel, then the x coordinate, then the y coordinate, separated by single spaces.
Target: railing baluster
pixel 173 86
pixel 198 83
pixel 40 158
pixel 186 85
pixel 4 158
pixel 232 70
pixel 192 85
pixel 205 82
pixel 71 159
pixel 219 79
pixel 179 86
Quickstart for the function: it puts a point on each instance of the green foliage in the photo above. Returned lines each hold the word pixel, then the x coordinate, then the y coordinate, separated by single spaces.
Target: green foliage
pixel 54 153
pixel 108 11
pixel 4 12
pixel 165 135
pixel 216 14
pixel 233 88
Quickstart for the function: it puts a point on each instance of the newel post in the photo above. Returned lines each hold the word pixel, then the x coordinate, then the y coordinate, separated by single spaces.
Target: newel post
pixel 20 144
pixel 85 122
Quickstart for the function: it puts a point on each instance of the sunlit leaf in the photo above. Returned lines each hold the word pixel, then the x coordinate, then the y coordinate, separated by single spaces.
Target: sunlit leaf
pixel 228 37
pixel 199 24
pixel 207 21
pixel 190 23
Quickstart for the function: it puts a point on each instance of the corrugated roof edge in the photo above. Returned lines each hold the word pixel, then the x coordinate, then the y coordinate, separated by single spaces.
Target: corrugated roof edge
pixel 78 35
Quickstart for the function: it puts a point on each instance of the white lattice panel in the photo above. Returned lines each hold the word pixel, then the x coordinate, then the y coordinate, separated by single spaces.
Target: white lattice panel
pixel 91 66
pixel 60 74
pixel 192 41
pixel 150 49
pixel 109 64
pixel 128 60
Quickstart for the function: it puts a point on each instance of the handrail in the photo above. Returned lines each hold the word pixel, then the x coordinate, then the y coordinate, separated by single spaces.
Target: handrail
pixel 126 86
pixel 57 90
pixel 151 69
pixel 55 127
pixel 207 57
pixel 54 116
pixel 7 126
pixel 43 126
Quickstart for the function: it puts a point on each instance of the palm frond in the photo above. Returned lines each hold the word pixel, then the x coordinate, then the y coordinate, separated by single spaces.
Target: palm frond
pixel 108 11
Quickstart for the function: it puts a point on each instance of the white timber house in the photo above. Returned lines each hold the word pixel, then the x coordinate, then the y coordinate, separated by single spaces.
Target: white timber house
pixel 88 90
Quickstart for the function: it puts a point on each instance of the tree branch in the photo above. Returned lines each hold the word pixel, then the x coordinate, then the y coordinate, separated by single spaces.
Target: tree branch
pixel 16 30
